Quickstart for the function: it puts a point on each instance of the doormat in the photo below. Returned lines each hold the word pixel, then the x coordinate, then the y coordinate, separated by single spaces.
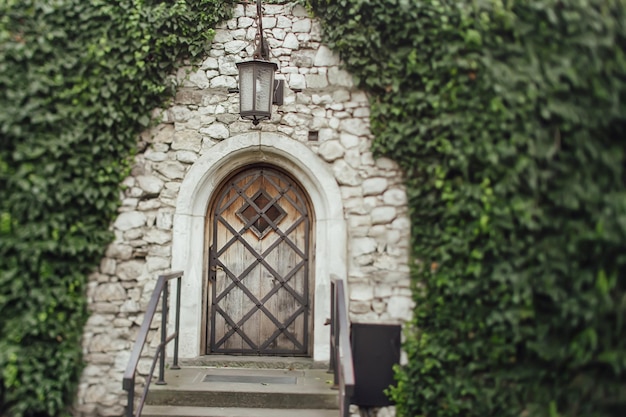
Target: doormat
pixel 250 379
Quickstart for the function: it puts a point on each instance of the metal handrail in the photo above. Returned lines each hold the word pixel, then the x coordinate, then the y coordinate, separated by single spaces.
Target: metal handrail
pixel 341 362
pixel 161 290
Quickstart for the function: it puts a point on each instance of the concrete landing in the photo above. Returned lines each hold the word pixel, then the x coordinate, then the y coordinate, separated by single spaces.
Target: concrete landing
pixel 300 389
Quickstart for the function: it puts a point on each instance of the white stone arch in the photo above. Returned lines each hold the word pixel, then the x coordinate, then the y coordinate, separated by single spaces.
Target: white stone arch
pixel 195 194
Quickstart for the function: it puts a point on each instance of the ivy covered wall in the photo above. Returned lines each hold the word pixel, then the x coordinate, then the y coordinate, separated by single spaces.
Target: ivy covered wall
pixel 508 117
pixel 78 82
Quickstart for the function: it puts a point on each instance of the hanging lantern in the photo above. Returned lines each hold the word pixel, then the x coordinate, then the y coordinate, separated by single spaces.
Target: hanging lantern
pixel 256 89
pixel 256 79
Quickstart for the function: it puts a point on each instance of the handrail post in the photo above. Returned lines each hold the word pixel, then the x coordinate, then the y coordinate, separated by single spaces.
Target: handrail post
pixel 331 364
pixel 336 332
pixel 341 350
pixel 161 380
pixel 131 399
pixel 177 325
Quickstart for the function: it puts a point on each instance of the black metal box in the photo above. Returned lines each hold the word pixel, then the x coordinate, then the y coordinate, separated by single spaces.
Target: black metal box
pixel 375 349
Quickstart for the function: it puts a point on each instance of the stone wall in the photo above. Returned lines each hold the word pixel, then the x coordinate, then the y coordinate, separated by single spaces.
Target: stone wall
pixel 323 110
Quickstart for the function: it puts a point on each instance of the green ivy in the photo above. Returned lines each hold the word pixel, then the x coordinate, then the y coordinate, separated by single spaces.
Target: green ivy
pixel 508 117
pixel 78 80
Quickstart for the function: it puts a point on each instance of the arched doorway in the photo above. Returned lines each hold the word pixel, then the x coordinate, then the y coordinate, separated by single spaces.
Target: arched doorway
pixel 259 265
pixel 190 248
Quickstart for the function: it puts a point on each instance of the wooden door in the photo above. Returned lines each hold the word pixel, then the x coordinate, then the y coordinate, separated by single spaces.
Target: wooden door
pixel 259 266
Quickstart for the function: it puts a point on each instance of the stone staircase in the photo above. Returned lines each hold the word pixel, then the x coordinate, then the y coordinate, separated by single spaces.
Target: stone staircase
pixel 244 387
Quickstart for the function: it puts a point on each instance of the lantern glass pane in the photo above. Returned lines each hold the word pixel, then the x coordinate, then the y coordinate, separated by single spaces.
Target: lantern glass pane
pixel 246 95
pixel 264 86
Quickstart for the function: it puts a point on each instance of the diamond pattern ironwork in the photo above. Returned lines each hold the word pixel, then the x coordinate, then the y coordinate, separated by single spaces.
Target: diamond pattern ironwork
pixel 259 217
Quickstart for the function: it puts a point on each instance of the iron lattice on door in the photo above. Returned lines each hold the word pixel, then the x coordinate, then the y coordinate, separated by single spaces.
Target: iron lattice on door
pixel 259 266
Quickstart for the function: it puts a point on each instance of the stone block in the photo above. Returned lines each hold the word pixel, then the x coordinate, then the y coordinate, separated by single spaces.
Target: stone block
pixel 297 82
pixel 299 11
pixel 228 66
pixel 147 205
pixel 158 236
pixel 303 58
pixel 186 157
pixel 187 140
pixel 99 358
pixel 349 141
pixel 362 112
pixel 224 81
pixel 386 262
pixel 216 131
pixel 163 133
pixel 179 113
pixel 357 127
pixel 361 292
pixel 119 251
pixel 155 156
pixel 340 77
pixel 379 306
pixel 341 96
pixel 362 246
pixel 383 291
pixel 189 96
pixel 130 306
pixel 130 220
pixel 395 197
pixel 239 10
pixel 245 22
pixel 99 320
pixel 383 215
pixel 279 34
pixel 269 22
pixel 291 42
pixel 107 266
pixel 171 169
pixel 360 97
pixel 222 36
pixel 130 270
pixel 150 184
pixel 400 307
pixel 157 263
pixel 331 150
pixel 325 57
pixel 359 221
pixel 374 186
pixel 345 174
pixel 302 26
pixel 110 292
pixel 401 223
pixel 386 163
pixel 103 307
pixel 316 81
pixel 353 158
pixel 283 22
pixel 199 79
pixel 210 64
pixel 360 307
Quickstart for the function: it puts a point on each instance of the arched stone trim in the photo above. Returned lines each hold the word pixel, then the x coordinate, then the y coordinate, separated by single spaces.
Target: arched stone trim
pixel 194 196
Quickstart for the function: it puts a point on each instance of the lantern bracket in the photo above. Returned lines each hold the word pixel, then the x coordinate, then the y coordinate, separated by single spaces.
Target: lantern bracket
pixel 262 50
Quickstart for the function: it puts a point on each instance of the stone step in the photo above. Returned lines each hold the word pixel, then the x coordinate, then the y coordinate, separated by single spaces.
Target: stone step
pixel 178 411
pixel 245 388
